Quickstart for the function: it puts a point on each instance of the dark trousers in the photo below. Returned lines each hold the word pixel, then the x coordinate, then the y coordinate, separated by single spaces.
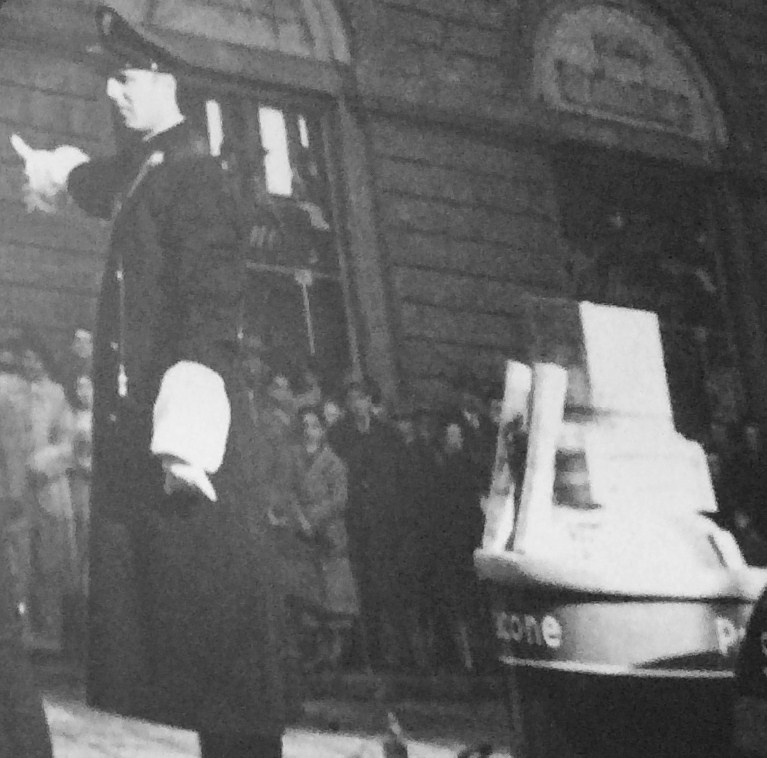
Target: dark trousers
pixel 213 745
pixel 24 729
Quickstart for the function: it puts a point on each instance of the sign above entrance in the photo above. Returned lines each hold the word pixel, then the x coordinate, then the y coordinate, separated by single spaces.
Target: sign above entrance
pixel 604 62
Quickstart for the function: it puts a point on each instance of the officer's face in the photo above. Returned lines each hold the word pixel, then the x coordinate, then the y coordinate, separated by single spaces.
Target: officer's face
pixel 140 97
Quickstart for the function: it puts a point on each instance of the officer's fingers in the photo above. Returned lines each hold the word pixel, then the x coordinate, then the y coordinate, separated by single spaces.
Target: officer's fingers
pixel 21 147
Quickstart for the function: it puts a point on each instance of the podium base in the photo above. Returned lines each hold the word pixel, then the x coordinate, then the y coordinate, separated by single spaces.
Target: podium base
pixel 555 714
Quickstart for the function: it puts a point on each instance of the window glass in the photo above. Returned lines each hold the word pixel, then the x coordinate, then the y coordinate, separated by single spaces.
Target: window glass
pixel 296 296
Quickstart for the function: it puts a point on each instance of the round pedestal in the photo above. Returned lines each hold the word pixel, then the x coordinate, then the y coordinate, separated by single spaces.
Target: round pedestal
pixel 558 714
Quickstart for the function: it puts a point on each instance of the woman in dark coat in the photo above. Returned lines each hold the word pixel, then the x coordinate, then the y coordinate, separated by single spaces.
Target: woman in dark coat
pixel 186 613
pixel 322 497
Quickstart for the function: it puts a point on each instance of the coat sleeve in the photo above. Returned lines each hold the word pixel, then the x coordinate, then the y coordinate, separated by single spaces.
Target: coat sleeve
pixel 202 235
pixel 209 263
pixel 95 185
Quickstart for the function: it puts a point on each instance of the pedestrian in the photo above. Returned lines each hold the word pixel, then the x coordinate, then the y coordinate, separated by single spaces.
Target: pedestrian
pixel 53 547
pixel 477 429
pixel 374 455
pixel 80 490
pixel 322 495
pixel 187 618
pixel 23 726
pixel 24 730
pixel 14 446
pixel 457 530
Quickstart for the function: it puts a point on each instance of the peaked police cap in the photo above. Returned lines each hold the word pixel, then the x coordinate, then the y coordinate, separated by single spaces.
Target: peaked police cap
pixel 122 47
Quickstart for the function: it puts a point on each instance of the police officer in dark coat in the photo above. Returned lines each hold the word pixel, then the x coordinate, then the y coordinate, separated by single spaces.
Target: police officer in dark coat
pixel 187 621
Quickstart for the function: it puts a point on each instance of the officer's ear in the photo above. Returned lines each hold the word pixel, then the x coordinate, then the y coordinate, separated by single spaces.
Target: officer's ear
pixel 168 83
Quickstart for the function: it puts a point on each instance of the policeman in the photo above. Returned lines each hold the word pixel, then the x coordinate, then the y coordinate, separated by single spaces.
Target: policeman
pixel 186 618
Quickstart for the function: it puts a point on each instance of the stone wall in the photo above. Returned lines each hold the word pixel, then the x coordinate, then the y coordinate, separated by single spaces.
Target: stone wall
pixel 50 265
pixel 463 202
pixel 471 234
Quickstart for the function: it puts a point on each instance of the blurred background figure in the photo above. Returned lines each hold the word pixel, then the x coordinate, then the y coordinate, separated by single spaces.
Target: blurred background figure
pixel 478 430
pixel 322 495
pixel 418 498
pixel 80 486
pixel 308 392
pixel 15 426
pixel 457 529
pixel 54 554
pixel 374 455
pixel 332 412
pixel 81 352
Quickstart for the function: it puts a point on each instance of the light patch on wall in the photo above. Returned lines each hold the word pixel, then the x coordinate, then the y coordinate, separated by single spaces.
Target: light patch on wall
pixel 215 126
pixel 303 130
pixel 274 139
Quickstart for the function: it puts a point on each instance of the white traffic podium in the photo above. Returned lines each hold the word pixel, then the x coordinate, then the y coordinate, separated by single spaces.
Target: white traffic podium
pixel 619 605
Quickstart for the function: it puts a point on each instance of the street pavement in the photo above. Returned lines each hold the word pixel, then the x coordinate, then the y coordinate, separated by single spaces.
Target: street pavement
pixel 330 728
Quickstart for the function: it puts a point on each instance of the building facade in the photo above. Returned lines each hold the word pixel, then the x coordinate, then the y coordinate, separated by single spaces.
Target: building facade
pixel 435 181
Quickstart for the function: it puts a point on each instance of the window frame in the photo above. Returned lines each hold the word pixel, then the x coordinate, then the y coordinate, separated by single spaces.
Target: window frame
pixel 320 108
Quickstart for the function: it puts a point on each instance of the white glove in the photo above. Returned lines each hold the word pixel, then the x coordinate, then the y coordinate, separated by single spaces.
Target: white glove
pixel 47 172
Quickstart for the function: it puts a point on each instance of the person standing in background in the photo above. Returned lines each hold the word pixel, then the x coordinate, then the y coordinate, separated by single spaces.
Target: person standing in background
pixel 53 543
pixel 80 356
pixel 457 529
pixel 15 429
pixel 24 731
pixel 374 455
pixel 80 489
pixel 322 495
pixel 478 431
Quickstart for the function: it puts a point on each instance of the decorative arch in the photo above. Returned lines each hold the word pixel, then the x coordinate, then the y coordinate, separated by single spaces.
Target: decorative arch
pixel 620 63
pixel 298 43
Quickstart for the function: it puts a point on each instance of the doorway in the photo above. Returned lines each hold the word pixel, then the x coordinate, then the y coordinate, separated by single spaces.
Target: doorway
pixel 641 234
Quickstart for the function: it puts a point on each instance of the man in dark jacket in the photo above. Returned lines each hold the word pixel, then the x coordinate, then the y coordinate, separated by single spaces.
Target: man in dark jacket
pixel 187 619
pixel 374 455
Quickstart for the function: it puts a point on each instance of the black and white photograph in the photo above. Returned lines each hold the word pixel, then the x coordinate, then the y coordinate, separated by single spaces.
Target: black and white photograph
pixel 383 379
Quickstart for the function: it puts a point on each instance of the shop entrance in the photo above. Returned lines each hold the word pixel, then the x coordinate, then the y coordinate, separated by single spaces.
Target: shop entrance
pixel 642 234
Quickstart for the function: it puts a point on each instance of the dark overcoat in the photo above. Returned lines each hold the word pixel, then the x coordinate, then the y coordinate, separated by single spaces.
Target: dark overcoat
pixel 186 616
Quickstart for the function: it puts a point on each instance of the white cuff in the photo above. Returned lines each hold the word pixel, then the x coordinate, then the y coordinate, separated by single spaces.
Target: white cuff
pixel 192 416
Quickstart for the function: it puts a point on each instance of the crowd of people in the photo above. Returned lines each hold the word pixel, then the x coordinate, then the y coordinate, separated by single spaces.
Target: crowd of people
pixel 46 461
pixel 736 459
pixel 381 514
pixel 378 510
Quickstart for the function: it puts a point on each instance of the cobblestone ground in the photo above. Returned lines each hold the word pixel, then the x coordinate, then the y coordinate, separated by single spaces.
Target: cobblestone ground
pixel 81 732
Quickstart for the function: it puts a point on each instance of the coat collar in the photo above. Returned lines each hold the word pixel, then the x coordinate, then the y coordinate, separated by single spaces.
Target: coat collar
pixel 178 141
